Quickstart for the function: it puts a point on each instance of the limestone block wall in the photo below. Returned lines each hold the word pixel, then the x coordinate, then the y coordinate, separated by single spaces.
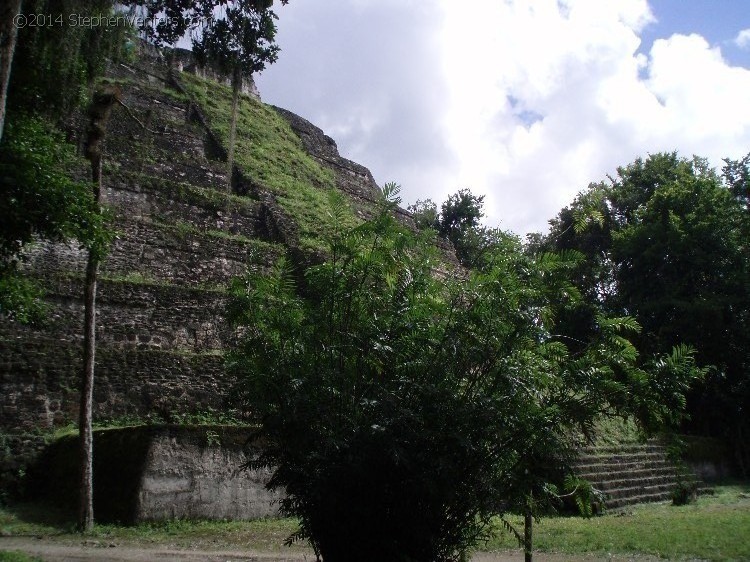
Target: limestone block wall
pixel 181 236
pixel 150 473
pixel 191 476
pixel 139 195
pixel 40 379
pixel 173 253
pixel 136 315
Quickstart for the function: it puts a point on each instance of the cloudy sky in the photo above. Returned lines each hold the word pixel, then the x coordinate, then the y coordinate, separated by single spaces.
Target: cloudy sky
pixel 524 101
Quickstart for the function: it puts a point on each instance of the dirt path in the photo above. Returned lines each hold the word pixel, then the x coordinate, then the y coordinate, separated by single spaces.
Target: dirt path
pixel 102 551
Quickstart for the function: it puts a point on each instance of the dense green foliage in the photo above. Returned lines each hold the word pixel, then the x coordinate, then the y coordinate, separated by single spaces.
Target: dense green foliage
pixel 667 242
pixel 39 198
pixel 240 40
pixel 401 410
pixel 165 22
pixel 458 222
pixel 55 64
pixel 737 176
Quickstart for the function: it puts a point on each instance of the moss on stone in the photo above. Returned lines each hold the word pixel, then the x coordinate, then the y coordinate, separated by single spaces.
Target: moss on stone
pixel 272 155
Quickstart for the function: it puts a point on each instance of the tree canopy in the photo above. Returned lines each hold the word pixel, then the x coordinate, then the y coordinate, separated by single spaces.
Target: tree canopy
pixel 669 246
pixel 458 221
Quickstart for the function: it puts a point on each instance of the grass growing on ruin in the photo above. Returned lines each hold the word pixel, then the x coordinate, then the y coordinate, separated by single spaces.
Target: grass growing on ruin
pixel 617 432
pixel 715 528
pixel 185 229
pixel 187 193
pixel 271 154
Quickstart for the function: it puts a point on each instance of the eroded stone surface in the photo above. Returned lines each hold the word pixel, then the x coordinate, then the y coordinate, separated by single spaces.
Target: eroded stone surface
pixel 185 478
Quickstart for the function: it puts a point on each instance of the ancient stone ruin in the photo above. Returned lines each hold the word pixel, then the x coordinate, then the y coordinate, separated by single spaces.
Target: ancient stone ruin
pixel 161 334
pixel 180 238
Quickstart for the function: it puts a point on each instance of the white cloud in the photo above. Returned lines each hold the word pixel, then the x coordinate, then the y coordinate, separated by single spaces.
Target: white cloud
pixel 523 102
pixel 743 39
pixel 578 67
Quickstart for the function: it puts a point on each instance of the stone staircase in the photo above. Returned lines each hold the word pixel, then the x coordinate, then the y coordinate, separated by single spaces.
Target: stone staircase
pixel 180 238
pixel 182 235
pixel 629 474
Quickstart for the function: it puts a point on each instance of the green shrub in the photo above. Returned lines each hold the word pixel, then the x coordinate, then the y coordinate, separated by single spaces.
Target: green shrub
pixel 400 409
pixel 685 492
pixel 38 198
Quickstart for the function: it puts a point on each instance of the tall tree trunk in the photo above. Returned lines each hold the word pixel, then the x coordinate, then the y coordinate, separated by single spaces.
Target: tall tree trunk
pixel 86 513
pixel 8 38
pixel 528 527
pixel 236 85
pixel 101 106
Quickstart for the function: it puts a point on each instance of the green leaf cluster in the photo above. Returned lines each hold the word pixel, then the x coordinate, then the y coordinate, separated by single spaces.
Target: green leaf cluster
pixel 400 407
pixel 666 242
pixel 241 39
pixel 458 222
pixel 55 64
pixel 38 198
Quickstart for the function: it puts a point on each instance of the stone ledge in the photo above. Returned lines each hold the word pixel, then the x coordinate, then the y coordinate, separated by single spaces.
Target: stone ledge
pixel 150 473
pixel 40 378
pixel 162 254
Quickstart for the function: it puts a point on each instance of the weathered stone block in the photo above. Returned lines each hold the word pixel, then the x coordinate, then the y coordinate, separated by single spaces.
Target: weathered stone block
pixel 161 472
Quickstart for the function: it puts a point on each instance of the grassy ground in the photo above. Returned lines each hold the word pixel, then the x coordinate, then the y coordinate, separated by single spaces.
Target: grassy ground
pixel 715 528
pixel 17 556
pixel 42 521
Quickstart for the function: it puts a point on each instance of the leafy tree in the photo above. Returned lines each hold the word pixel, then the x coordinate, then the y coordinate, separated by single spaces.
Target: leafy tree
pixel 55 66
pixel 684 272
pixel 458 222
pixel 737 176
pixel 38 198
pixel 460 212
pixel 168 21
pixel 401 410
pixel 165 22
pixel 425 214
pixel 102 102
pixel 671 250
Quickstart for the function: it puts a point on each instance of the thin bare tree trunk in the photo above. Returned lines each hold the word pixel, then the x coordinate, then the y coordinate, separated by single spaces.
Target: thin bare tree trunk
pixel 528 526
pixel 236 85
pixel 86 514
pixel 8 39
pixel 101 106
